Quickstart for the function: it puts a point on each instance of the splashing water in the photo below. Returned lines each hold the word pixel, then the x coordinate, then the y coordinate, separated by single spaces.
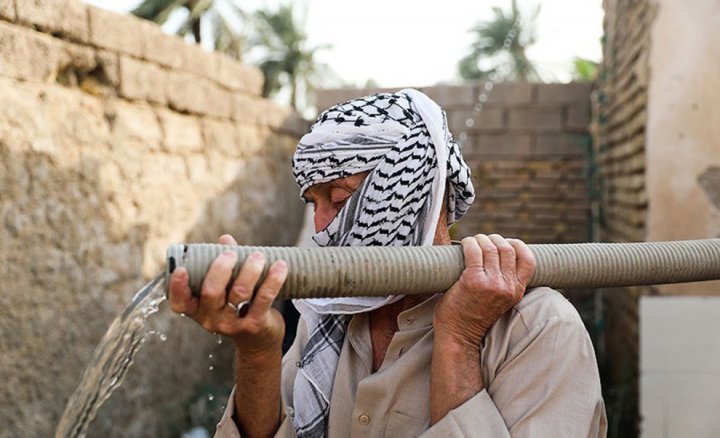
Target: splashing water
pixel 111 360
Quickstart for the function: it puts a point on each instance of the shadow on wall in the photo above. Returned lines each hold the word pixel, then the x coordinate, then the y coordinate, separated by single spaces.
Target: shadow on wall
pixel 67 272
pixel 59 288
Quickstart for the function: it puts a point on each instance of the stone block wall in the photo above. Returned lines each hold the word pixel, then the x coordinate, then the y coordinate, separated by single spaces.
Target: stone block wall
pixel 621 204
pixel 528 150
pixel 115 141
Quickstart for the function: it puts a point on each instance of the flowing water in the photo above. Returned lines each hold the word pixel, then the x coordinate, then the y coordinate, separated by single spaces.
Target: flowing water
pixel 111 360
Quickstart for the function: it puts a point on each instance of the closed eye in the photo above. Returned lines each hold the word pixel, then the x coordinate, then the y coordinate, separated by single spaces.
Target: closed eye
pixel 339 204
pixel 339 198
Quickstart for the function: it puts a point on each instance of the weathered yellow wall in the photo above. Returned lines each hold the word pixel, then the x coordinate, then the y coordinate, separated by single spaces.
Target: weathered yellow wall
pixel 683 127
pixel 115 141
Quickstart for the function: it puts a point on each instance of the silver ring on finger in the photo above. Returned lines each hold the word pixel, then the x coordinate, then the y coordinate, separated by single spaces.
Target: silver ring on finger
pixel 240 309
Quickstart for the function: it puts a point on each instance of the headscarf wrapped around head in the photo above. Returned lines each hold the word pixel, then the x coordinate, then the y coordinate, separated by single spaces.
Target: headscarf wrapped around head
pixel 403 140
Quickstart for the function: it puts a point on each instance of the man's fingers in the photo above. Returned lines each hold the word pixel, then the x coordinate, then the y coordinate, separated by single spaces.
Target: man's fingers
pixel 472 253
pixel 227 239
pixel 246 281
pixel 216 281
pixel 507 256
pixel 270 288
pixel 181 299
pixel 491 256
pixel 526 262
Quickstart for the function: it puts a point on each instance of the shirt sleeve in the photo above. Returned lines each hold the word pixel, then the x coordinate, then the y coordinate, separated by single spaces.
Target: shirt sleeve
pixel 546 385
pixel 477 417
pixel 227 428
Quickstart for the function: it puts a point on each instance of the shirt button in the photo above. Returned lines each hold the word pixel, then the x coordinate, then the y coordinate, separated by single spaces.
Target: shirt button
pixel 364 419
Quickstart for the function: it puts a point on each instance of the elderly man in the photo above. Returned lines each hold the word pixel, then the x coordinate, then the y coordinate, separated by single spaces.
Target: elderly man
pixel 485 358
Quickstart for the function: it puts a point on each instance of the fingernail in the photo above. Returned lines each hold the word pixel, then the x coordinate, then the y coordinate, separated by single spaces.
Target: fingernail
pixel 256 256
pixel 230 254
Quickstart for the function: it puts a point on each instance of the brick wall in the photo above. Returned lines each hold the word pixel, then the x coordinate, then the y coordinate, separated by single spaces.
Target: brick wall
pixel 528 149
pixel 619 139
pixel 115 141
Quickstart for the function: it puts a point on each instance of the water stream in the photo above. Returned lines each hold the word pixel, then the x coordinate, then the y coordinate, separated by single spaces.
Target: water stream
pixel 110 360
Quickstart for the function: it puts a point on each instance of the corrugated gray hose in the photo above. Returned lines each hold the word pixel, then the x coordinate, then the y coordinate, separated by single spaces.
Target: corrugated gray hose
pixel 370 271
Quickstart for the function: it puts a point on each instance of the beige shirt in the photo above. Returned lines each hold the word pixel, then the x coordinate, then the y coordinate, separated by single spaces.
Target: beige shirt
pixel 538 366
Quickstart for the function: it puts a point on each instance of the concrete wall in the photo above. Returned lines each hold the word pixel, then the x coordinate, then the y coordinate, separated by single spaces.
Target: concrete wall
pixel 683 189
pixel 528 151
pixel 680 366
pixel 683 140
pixel 115 141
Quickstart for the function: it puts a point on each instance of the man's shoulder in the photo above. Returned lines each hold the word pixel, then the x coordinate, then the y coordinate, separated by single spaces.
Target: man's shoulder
pixel 542 317
pixel 542 305
pixel 540 309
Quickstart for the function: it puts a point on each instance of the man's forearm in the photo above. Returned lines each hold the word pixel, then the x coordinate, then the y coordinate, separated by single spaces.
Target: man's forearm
pixel 257 394
pixel 455 375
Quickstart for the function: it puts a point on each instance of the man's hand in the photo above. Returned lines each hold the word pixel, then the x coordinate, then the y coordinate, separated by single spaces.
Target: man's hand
pixel 262 328
pixel 257 335
pixel 497 270
pixel 493 281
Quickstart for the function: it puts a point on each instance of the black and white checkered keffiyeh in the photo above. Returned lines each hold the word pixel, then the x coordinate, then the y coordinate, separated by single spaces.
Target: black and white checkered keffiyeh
pixel 403 140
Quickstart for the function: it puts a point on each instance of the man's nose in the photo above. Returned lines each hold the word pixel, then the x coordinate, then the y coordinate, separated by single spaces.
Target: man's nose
pixel 324 214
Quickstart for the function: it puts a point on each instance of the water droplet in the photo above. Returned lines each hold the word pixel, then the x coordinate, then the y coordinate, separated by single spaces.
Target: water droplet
pixel 211 397
pixel 211 367
pixel 478 107
pixel 483 98
pixel 493 77
pixel 489 86
pixel 183 315
pixel 463 136
pixel 219 339
pixel 210 356
pixel 163 337
pixel 469 123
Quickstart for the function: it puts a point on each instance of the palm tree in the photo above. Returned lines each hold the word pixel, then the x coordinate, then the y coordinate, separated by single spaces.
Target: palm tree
pixel 286 60
pixel 502 43
pixel 584 69
pixel 199 12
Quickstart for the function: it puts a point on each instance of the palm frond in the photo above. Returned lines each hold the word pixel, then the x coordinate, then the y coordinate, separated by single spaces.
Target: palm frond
pixel 157 10
pixel 503 41
pixel 200 8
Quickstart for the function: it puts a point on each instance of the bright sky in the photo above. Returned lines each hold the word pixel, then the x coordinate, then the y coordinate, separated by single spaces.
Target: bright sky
pixel 418 43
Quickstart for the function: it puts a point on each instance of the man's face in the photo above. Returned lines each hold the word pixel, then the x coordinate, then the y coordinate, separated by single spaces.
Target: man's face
pixel 328 198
